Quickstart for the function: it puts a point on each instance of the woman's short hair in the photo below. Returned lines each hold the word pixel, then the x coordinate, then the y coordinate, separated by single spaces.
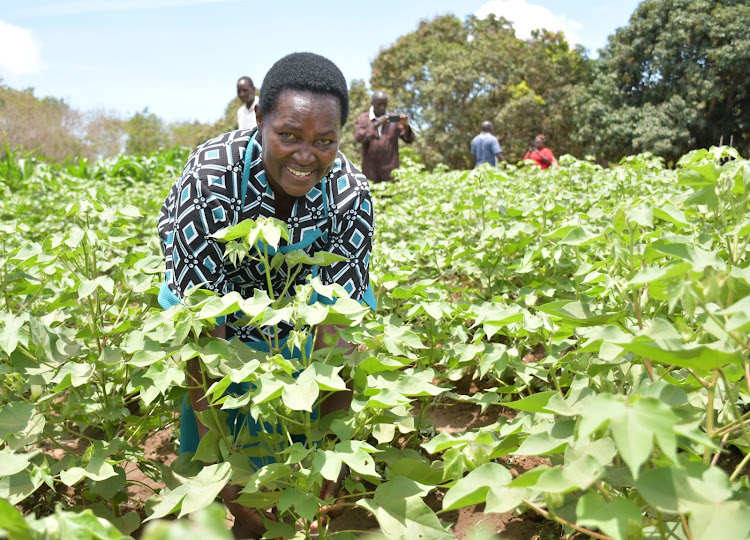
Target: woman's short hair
pixel 304 71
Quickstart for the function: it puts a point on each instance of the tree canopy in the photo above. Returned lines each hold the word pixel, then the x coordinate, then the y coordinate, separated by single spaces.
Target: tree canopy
pixel 451 75
pixel 676 78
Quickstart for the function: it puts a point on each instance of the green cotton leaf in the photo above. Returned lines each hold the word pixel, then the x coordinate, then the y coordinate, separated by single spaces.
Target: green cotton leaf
pixel 642 215
pixel 221 305
pixel 266 476
pixel 325 375
pixel 384 433
pixel 598 411
pixel 580 236
pixel 13 523
pixel 353 454
pixel 671 214
pixel 682 490
pixel 196 493
pixel 11 334
pixel 300 396
pixel 111 486
pixel 319 258
pixel 106 283
pixel 727 519
pixel 573 476
pixel 636 427
pixel 20 486
pixel 273 230
pixel 96 469
pixel 548 442
pixel 11 463
pixel 304 504
pixel 419 471
pixel 152 352
pixel 656 274
pixel 398 339
pixel 312 315
pixel 581 313
pixel 73 374
pixel 401 512
pixel 663 344
pixel 504 499
pixel 328 464
pixel 129 211
pixel 15 417
pixel 334 290
pixel 268 387
pixel 346 312
pixel 472 489
pixel 240 230
pixel 209 523
pixel 704 172
pixel 87 288
pixel 494 317
pixel 699 258
pixel 83 524
pixel 401 383
pixel 272 317
pixel 536 403
pixel 620 518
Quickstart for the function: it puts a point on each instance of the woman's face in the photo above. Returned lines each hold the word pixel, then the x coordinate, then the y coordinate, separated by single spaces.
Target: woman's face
pixel 300 141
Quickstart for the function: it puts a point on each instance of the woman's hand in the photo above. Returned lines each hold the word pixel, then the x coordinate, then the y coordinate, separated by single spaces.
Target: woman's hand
pixel 328 490
pixel 247 521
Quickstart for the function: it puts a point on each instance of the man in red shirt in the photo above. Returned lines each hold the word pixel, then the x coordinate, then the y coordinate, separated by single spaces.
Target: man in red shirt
pixel 379 133
pixel 540 154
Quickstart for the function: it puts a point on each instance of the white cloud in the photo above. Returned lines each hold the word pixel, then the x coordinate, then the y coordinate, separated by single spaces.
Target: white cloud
pixel 20 53
pixel 527 17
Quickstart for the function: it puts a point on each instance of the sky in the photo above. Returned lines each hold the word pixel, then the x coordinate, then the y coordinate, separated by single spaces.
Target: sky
pixel 181 58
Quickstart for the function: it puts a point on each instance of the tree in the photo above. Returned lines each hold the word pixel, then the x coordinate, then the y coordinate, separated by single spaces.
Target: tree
pixel 48 126
pixel 104 135
pixel 146 133
pixel 676 78
pixel 449 76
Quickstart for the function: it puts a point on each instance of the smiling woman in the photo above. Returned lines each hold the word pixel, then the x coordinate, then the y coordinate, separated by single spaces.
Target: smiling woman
pixel 288 168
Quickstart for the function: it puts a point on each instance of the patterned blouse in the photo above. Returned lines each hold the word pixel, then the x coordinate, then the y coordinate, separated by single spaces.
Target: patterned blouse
pixel 213 193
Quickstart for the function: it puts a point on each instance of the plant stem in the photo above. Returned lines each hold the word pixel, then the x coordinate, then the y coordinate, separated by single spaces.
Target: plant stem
pixel 548 515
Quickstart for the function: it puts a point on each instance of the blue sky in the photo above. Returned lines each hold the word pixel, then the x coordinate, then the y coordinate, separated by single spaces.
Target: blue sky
pixel 181 58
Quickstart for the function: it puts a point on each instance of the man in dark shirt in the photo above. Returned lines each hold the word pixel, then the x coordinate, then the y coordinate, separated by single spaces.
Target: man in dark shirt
pixel 379 133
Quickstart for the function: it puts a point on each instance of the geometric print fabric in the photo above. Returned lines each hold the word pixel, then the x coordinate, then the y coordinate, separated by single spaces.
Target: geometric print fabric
pixel 208 196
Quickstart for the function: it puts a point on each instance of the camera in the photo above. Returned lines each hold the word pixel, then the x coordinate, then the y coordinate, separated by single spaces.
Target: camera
pixel 394 118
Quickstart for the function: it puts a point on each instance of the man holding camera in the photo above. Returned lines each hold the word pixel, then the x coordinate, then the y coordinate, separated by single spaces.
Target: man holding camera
pixel 379 132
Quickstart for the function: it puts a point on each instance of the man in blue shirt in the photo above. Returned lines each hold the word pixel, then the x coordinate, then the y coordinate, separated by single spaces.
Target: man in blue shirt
pixel 485 148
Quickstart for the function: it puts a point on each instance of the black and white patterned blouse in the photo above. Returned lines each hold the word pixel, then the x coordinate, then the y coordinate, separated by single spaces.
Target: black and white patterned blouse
pixel 213 193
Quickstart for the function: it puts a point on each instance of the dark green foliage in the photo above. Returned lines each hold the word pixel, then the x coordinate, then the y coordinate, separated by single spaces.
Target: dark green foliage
pixel 675 78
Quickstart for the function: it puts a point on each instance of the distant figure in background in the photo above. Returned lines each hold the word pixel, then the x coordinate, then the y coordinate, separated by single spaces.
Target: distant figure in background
pixel 246 113
pixel 540 154
pixel 379 133
pixel 485 148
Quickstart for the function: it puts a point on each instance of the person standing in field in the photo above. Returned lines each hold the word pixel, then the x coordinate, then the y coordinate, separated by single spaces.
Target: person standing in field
pixel 485 148
pixel 379 132
pixel 540 154
pixel 246 112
